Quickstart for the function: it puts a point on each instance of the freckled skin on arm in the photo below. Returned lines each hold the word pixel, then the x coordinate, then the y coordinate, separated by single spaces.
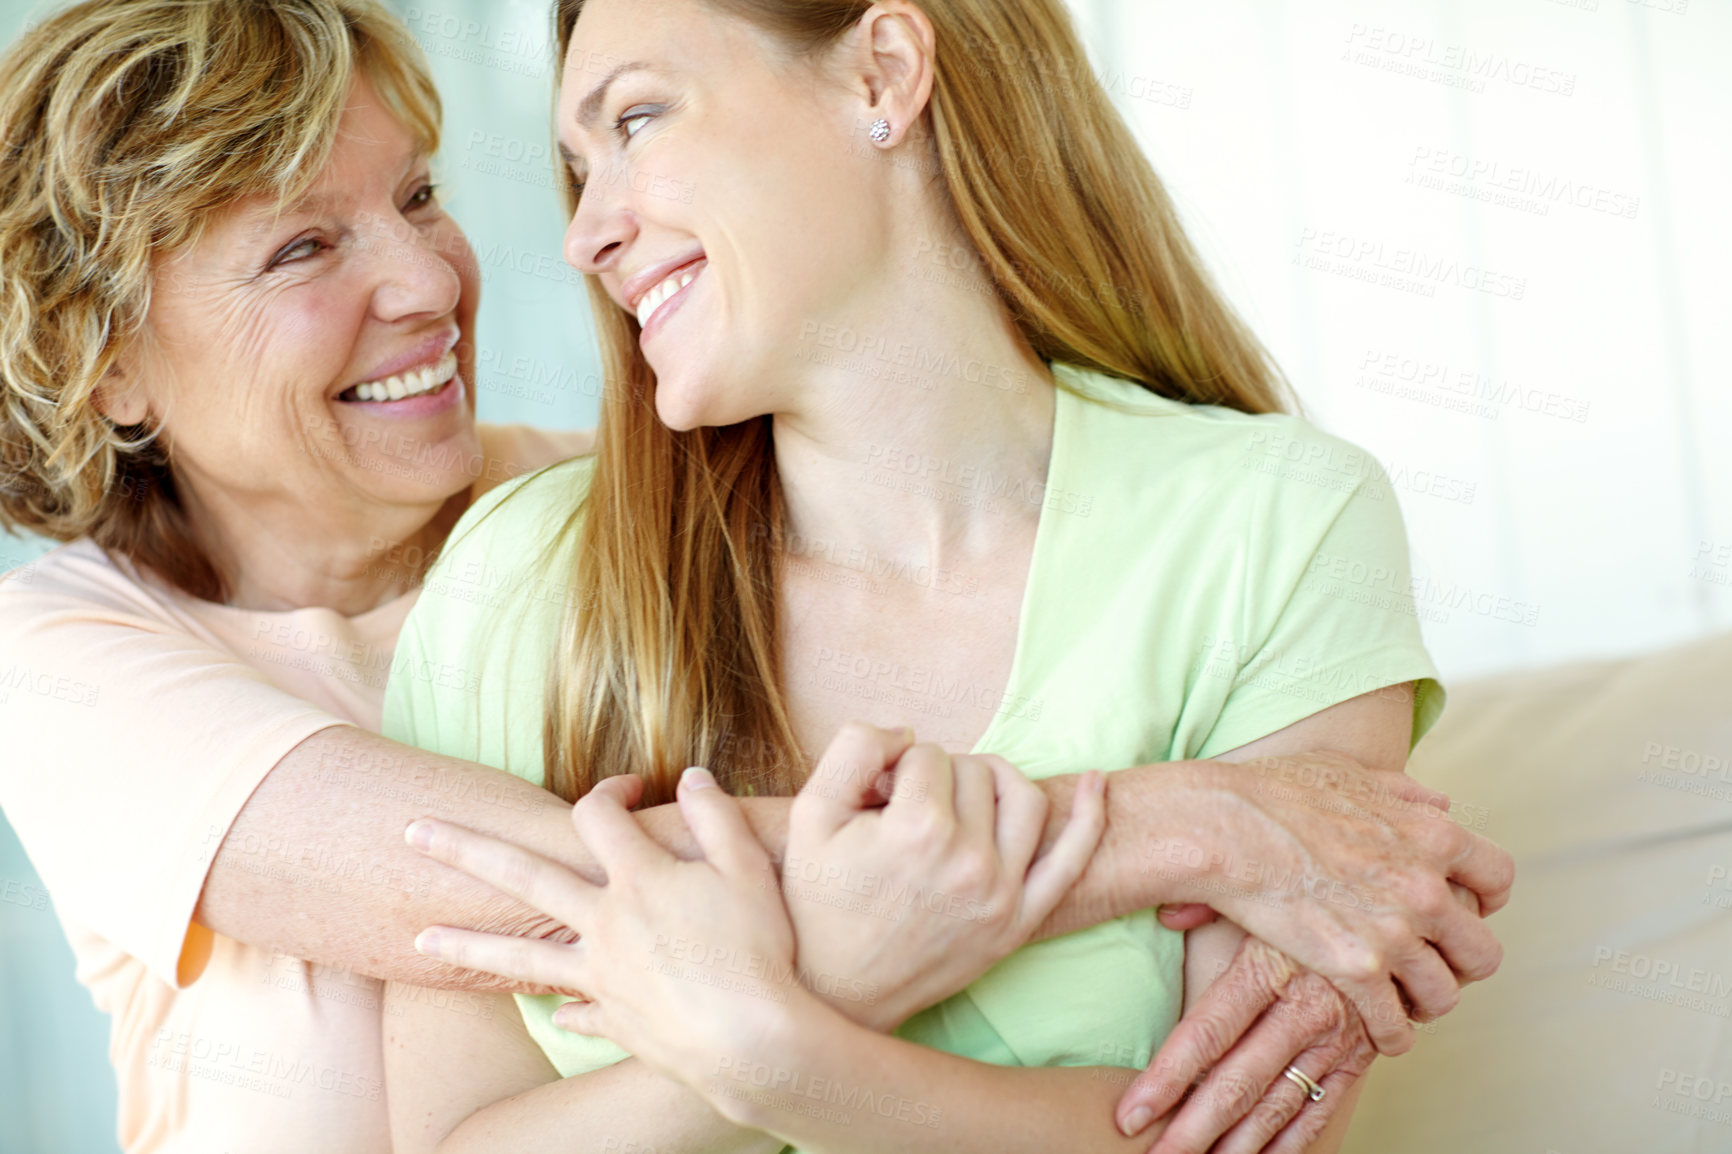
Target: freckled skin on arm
pixel 315 864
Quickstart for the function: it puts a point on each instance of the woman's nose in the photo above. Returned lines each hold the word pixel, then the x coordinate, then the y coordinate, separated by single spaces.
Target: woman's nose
pixel 415 274
pixel 602 225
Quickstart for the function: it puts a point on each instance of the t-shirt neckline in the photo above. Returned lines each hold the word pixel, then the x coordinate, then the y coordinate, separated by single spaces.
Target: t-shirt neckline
pixel 1058 467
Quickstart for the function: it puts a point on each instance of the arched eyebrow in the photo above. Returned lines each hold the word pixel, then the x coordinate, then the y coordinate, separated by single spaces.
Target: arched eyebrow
pixel 591 104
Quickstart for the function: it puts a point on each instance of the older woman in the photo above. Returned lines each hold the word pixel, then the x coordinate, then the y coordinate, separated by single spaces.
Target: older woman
pixel 235 376
pixel 1149 585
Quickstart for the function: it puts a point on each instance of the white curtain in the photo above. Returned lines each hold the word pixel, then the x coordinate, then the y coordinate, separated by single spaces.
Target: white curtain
pixel 1488 241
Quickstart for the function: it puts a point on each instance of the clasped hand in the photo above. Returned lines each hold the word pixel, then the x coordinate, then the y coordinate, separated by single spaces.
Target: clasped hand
pixel 883 907
pixel 879 910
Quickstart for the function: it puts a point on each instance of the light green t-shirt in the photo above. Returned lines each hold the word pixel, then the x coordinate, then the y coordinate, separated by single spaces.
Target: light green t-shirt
pixel 1201 578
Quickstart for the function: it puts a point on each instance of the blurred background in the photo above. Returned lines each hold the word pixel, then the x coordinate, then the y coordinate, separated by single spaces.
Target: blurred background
pixel 1486 239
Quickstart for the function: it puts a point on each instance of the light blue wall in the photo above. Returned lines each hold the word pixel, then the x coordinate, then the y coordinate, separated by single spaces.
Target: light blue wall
pixel 57 1089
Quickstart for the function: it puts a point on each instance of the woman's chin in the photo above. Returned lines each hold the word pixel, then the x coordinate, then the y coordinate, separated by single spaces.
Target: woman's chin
pixel 683 410
pixel 426 471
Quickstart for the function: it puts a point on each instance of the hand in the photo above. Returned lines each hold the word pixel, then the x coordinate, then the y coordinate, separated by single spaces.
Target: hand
pixel 1262 1015
pixel 676 961
pixel 896 908
pixel 1348 871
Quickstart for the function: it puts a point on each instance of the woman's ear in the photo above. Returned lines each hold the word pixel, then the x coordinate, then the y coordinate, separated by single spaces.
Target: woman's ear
pixel 121 398
pixel 896 69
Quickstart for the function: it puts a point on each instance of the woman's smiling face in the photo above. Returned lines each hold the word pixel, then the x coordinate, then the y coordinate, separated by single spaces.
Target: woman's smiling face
pixel 316 362
pixel 727 199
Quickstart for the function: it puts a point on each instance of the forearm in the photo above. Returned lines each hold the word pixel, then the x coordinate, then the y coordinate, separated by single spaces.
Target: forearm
pixel 839 1088
pixel 1144 814
pixel 315 865
pixel 480 1082
pixel 1152 851
pixel 625 1106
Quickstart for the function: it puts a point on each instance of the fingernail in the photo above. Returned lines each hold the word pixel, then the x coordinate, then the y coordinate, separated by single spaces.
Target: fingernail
pixel 696 777
pixel 1138 1121
pixel 419 834
pixel 427 942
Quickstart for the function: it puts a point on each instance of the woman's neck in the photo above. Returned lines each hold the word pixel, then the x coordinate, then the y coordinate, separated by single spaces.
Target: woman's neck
pixel 347 558
pixel 912 463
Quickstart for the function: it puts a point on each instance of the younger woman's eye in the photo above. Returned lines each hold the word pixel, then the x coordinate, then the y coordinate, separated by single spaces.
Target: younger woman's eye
pixel 641 113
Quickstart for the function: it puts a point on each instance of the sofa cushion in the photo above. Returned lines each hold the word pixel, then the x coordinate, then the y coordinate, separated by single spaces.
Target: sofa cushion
pixel 1607 1027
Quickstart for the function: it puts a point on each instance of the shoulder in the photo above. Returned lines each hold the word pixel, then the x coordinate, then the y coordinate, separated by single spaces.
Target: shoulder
pixel 510 451
pixel 81 575
pixel 1147 452
pixel 508 557
pixel 471 663
pixel 531 508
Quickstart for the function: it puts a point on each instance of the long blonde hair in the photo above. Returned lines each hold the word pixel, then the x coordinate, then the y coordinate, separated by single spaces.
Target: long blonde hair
pixel 671 656
pixel 125 125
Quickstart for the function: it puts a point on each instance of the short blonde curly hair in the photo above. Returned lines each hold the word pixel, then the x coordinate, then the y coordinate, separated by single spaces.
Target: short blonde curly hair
pixel 124 126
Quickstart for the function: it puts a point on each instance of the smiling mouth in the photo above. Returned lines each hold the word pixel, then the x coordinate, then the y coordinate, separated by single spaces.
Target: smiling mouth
pixel 401 386
pixel 656 297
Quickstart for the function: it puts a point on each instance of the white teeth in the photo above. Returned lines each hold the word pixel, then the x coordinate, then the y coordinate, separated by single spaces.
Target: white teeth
pixel 654 299
pixel 412 383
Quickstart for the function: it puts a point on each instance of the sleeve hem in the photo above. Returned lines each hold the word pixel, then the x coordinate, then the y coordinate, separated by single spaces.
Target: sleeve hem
pixel 1292 703
pixel 185 948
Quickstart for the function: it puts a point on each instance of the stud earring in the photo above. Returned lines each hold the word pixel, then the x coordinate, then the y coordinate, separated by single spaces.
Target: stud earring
pixel 880 131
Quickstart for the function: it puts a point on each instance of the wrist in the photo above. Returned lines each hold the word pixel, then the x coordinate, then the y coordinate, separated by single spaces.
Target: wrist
pixel 1177 835
pixel 855 999
pixel 748 1080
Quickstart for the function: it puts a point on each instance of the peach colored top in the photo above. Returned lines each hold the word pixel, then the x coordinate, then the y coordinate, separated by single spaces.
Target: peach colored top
pixel 134 724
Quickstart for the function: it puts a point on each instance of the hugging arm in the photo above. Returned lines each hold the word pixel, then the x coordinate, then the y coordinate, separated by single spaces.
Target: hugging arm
pixel 1355 872
pixel 353 894
pixel 722 1063
pixel 792 1042
pixel 333 812
pixel 337 804
pixel 475 1083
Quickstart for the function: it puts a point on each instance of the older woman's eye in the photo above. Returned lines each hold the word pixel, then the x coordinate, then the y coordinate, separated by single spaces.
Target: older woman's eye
pixel 299 250
pixel 424 196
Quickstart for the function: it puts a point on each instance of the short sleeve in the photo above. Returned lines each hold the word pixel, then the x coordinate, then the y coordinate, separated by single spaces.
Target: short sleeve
pixel 127 748
pixel 1329 613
